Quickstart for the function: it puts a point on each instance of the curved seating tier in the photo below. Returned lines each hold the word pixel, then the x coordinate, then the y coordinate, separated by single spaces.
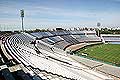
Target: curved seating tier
pixel 44 61
pixel 48 58
pixel 63 39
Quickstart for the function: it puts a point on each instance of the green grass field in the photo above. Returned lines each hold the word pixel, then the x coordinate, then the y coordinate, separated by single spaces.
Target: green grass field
pixel 103 52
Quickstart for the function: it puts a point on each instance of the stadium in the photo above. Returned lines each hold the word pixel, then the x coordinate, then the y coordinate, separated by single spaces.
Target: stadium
pixel 47 56
pixel 60 40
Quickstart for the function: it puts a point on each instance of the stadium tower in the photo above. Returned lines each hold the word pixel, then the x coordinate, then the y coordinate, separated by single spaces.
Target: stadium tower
pixel 22 16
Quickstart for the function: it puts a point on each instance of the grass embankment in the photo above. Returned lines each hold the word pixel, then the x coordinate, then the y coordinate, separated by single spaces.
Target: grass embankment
pixel 105 52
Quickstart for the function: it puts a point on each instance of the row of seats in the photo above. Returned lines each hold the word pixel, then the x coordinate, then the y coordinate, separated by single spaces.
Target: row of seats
pixel 70 39
pixel 48 41
pixel 60 33
pixel 111 38
pixel 56 39
pixel 62 45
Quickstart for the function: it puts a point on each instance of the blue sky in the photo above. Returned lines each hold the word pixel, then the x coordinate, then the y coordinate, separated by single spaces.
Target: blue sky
pixel 50 13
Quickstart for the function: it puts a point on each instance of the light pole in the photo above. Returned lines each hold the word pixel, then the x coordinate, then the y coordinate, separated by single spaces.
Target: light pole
pixel 98 25
pixel 22 15
pixel 0 27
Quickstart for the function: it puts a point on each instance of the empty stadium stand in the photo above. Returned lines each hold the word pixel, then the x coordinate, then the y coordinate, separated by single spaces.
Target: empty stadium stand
pixel 43 56
pixel 110 38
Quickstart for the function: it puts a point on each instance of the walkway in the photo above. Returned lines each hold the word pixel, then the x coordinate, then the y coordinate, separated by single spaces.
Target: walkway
pixel 99 66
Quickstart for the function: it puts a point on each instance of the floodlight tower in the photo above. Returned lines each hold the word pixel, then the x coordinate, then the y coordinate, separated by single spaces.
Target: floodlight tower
pixel 22 16
pixel 0 28
pixel 98 25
